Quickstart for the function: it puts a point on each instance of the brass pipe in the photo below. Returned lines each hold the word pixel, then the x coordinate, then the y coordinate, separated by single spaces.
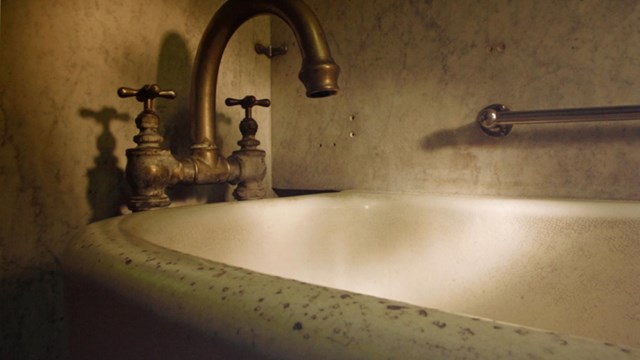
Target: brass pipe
pixel 319 72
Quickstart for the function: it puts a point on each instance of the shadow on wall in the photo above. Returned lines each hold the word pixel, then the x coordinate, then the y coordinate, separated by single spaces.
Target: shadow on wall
pixel 107 189
pixel 537 136
pixel 174 72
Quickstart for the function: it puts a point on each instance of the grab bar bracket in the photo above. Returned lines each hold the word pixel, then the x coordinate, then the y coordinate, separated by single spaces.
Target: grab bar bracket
pixel 487 118
pixel 497 120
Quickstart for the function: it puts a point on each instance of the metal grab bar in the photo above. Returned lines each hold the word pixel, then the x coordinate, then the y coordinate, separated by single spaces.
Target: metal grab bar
pixel 497 120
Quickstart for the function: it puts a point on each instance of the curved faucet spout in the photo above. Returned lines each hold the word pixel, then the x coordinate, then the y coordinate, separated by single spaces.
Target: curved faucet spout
pixel 319 72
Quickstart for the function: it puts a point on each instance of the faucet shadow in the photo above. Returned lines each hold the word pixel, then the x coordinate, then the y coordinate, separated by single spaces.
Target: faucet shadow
pixel 174 72
pixel 469 134
pixel 107 188
pixel 204 192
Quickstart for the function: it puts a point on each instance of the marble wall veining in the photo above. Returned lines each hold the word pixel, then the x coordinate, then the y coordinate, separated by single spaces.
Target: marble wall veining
pixel 416 73
pixel 63 132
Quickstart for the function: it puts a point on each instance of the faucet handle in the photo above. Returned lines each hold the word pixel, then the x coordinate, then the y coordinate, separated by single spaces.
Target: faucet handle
pixel 247 103
pixel 147 121
pixel 146 94
pixel 248 126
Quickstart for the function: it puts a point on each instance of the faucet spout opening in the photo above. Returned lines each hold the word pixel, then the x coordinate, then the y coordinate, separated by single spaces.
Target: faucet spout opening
pixel 320 80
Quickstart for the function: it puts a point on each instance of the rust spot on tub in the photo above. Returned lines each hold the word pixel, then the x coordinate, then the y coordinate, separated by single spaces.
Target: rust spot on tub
pixel 423 312
pixel 219 274
pixel 522 332
pixel 261 300
pixel 497 327
pixel 285 305
pixel 225 289
pixel 345 296
pixel 440 324
pixel 465 332
pixel 396 307
pixel 297 326
pixel 561 341
pixel 127 261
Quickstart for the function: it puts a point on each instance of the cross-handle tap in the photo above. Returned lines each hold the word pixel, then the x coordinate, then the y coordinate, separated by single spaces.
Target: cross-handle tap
pixel 151 168
pixel 147 121
pixel 146 94
pixel 249 158
pixel 247 103
pixel 248 125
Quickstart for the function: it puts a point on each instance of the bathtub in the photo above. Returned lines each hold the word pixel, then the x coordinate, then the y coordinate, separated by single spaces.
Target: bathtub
pixel 360 275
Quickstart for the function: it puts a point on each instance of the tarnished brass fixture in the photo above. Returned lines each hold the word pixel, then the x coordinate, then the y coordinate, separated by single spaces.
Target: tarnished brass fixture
pixel 251 186
pixel 271 51
pixel 150 169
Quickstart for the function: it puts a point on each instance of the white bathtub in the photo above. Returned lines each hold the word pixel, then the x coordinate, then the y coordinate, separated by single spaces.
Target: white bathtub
pixel 214 280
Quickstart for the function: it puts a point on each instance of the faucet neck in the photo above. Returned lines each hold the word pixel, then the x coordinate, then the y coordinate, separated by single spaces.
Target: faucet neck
pixel 319 72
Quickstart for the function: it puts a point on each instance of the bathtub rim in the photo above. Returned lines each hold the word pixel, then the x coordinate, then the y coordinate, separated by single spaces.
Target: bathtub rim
pixel 121 263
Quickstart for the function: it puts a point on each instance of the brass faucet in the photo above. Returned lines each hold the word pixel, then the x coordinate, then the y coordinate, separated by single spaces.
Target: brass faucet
pixel 151 169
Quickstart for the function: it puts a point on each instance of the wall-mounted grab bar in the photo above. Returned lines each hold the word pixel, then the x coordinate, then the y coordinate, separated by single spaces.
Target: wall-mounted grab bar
pixel 497 120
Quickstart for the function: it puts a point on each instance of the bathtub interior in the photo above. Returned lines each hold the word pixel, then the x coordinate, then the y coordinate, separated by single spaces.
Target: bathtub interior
pixel 565 266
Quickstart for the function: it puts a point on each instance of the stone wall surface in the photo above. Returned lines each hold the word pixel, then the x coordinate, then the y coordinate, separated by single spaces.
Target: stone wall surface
pixel 63 132
pixel 416 73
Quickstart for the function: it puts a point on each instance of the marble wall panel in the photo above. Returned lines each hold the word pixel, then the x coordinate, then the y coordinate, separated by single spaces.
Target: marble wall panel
pixel 63 132
pixel 416 73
